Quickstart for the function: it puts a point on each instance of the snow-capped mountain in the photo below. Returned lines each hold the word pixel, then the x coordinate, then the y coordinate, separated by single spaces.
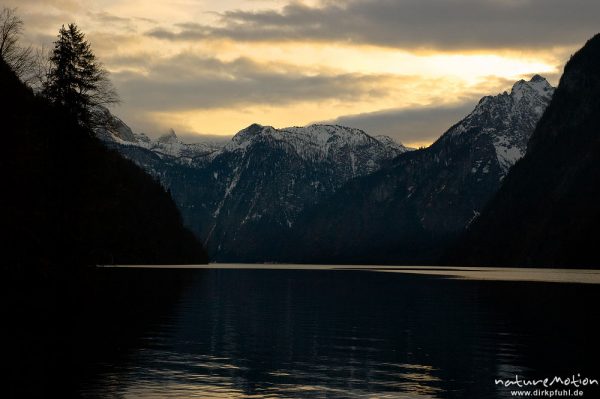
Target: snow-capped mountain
pixel 312 143
pixel 236 195
pixel 171 146
pixel 509 119
pixel 346 195
pixel 546 214
pixel 165 146
pixel 347 149
pixel 408 211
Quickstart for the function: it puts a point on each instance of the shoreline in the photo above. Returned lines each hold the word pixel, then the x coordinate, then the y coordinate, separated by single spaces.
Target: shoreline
pixel 570 276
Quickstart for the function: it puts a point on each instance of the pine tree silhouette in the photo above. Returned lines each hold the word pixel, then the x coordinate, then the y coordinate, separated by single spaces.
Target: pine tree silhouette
pixel 76 80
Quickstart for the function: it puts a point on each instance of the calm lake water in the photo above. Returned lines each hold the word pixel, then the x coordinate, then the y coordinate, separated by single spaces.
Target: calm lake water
pixel 338 333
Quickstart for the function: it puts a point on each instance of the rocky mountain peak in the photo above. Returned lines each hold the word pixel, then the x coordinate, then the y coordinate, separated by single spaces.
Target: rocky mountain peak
pixel 169 138
pixel 537 86
pixel 546 212
pixel 505 122
pixel 317 141
pixel 247 136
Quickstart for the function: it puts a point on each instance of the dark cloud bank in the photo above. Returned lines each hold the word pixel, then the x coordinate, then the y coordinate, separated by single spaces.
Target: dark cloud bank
pixel 435 24
pixel 405 24
pixel 423 124
pixel 193 82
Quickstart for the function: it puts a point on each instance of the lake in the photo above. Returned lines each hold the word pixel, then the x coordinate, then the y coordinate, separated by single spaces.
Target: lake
pixel 273 331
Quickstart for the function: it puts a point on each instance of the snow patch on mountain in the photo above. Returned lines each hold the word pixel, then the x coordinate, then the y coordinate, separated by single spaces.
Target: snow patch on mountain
pixel 507 153
pixel 317 142
pixel 166 146
pixel 537 86
pixel 313 143
pixel 509 119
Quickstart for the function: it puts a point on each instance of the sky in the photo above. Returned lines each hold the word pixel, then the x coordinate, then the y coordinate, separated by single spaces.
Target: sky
pixel 405 68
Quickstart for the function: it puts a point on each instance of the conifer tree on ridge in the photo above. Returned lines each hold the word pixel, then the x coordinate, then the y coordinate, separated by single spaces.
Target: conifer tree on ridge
pixel 76 80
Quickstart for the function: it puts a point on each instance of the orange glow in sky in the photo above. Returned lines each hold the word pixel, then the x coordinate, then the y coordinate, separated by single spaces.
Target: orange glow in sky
pixel 183 64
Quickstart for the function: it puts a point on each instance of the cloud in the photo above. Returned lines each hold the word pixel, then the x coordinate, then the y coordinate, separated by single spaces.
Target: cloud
pixel 111 21
pixel 408 126
pixel 216 73
pixel 108 18
pixel 187 82
pixel 422 125
pixel 188 92
pixel 428 24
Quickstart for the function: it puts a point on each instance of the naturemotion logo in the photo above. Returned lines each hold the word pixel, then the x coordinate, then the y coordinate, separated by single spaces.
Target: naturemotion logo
pixel 562 386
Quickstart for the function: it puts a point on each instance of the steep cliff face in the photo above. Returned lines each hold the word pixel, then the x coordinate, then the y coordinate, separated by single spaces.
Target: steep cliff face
pixel 547 212
pixel 411 210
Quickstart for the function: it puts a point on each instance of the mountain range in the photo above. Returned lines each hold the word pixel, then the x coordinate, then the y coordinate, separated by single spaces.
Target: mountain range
pixel 350 196
pixel 241 197
pixel 410 211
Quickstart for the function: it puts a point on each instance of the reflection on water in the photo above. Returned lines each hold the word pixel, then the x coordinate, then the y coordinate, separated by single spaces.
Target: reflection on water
pixel 345 334
pixel 576 276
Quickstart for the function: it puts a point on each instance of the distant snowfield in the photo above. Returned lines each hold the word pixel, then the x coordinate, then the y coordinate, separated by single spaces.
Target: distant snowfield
pixel 573 276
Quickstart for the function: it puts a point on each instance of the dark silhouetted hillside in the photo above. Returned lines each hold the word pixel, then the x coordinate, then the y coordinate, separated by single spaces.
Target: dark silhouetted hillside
pixel 547 212
pixel 67 200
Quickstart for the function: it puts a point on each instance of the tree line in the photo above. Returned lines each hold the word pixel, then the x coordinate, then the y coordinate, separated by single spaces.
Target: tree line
pixel 69 75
